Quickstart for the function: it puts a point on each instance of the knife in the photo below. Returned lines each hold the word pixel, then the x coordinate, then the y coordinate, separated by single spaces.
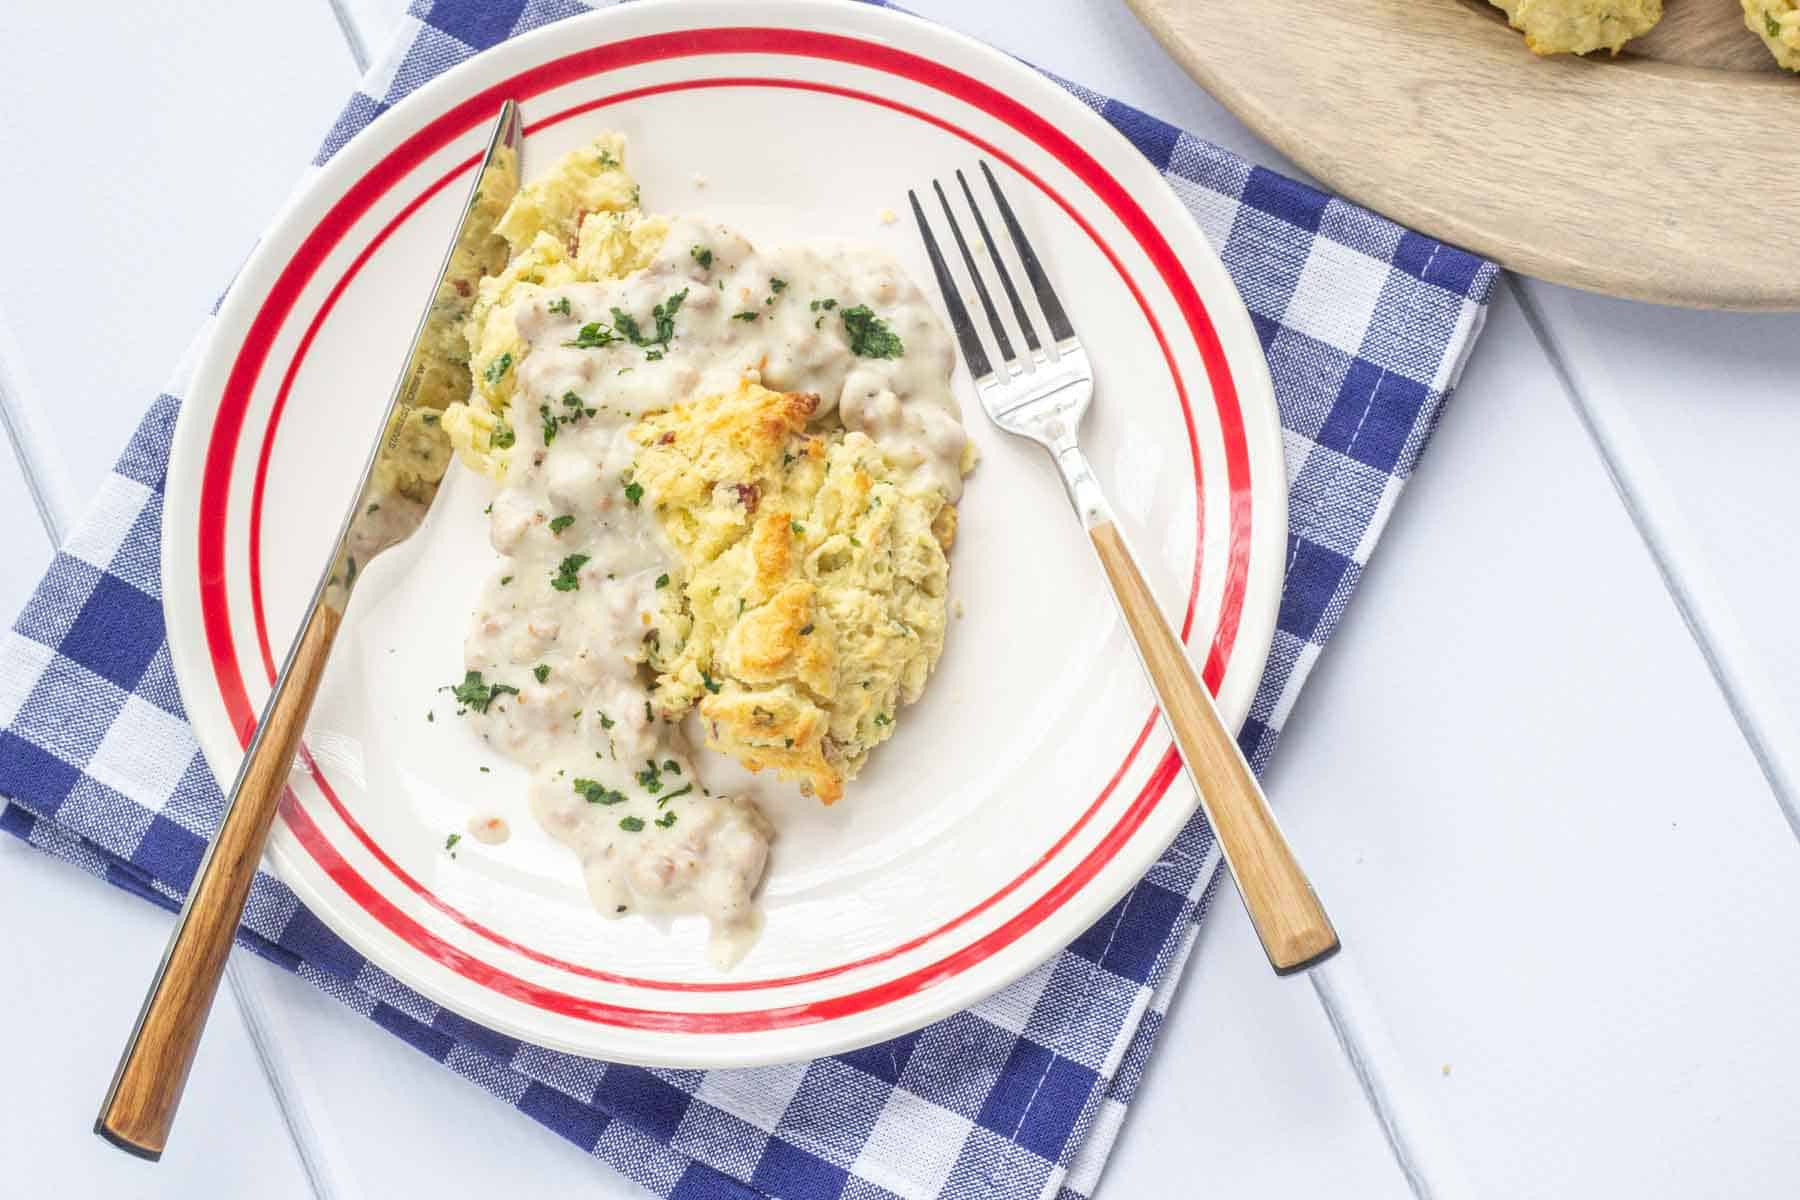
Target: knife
pixel 399 481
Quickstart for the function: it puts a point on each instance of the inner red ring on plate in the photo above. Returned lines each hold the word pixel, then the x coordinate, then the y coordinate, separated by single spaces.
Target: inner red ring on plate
pixel 476 111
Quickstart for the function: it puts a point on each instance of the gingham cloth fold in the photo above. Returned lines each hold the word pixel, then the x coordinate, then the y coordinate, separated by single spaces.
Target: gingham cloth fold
pixel 1366 326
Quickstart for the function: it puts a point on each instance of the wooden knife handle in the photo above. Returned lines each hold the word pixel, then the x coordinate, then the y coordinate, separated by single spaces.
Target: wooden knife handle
pixel 1289 919
pixel 140 1106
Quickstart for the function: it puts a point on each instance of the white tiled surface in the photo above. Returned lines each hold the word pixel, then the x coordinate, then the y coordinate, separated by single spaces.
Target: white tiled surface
pixel 1519 778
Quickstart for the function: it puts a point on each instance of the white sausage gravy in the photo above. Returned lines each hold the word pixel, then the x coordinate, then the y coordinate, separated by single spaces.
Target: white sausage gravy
pixel 555 651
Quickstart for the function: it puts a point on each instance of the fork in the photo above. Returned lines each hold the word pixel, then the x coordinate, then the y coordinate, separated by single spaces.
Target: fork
pixel 1042 395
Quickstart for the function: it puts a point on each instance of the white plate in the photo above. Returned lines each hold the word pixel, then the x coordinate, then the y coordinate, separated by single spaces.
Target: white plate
pixel 1027 791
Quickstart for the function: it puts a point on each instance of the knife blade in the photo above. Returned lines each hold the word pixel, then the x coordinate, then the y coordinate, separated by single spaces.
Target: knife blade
pixel 409 458
pixel 400 479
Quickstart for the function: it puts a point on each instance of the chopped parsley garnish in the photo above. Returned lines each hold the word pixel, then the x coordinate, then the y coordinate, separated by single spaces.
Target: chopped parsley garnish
pixel 541 671
pixel 683 790
pixel 549 423
pixel 777 285
pixel 606 722
pixel 711 685
pixel 505 579
pixel 593 336
pixel 450 843
pixel 869 335
pixel 662 581
pixel 746 315
pixel 1772 25
pixel 607 160
pixel 666 820
pixel 371 510
pixel 474 692
pixel 595 792
pixel 627 326
pixel 559 306
pixel 883 719
pixel 429 418
pixel 634 491
pixel 652 356
pixel 502 436
pixel 822 305
pixel 796 526
pixel 671 766
pixel 565 579
pixel 631 824
pixel 649 779
pixel 558 524
pixel 703 256
pixel 430 716
pixel 662 317
pixel 496 369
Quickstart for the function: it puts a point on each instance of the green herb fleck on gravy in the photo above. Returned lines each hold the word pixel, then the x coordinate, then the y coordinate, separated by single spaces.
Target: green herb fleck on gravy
pixel 565 579
pixel 541 671
pixel 497 369
pixel 869 335
pixel 558 524
pixel 593 336
pixel 476 693
pixel 595 792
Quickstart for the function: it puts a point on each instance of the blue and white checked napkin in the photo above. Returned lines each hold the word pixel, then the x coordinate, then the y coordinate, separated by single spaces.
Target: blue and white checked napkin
pixel 1366 327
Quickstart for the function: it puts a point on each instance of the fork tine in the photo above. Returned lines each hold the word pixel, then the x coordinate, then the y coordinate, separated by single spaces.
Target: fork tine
pixel 1054 316
pixel 973 352
pixel 1012 293
pixel 987 302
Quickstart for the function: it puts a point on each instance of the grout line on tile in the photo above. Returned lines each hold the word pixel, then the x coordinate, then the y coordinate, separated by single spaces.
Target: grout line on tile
pixel 317 1160
pixel 46 475
pixel 1415 1134
pixel 359 50
pixel 1656 514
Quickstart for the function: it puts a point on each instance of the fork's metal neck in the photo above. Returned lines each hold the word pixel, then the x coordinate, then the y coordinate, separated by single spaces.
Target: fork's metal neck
pixel 1078 480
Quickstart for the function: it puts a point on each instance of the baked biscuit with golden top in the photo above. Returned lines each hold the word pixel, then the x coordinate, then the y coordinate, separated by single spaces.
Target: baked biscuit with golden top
pixel 811 599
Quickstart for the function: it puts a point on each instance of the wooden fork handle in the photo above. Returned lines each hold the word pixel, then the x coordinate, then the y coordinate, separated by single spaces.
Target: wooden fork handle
pixel 1289 919
pixel 140 1106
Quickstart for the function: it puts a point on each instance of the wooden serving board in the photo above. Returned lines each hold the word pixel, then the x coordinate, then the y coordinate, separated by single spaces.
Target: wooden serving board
pixel 1671 173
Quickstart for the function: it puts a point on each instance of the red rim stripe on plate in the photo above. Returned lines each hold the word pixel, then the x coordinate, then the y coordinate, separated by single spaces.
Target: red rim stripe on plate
pixel 364 192
pixel 754 1021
